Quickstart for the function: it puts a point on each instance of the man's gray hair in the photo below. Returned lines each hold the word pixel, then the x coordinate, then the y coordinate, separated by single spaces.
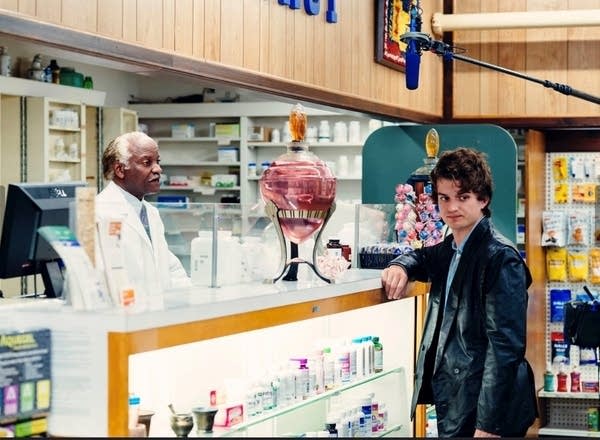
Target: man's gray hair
pixel 118 151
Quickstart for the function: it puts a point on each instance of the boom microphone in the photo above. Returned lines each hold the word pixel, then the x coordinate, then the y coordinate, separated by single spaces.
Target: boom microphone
pixel 413 51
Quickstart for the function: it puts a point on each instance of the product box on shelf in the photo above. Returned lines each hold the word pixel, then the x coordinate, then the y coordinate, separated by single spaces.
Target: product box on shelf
pixel 228 154
pixel 228 130
pixel 223 180
pixel 25 375
pixel 180 202
pixel 183 131
pixel 259 134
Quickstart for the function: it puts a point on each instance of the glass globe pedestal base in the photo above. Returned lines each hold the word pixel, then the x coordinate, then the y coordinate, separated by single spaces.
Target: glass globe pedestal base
pixel 286 265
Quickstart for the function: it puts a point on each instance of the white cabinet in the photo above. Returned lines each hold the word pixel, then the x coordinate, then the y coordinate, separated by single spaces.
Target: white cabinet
pixel 196 157
pixel 56 140
pixel 116 121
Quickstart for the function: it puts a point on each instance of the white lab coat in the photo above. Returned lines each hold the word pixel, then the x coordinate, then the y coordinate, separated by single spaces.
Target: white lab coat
pixel 151 268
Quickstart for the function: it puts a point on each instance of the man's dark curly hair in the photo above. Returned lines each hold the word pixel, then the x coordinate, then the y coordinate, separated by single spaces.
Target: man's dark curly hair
pixel 469 170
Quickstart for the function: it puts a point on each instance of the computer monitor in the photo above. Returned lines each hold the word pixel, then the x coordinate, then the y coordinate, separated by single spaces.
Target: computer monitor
pixel 23 251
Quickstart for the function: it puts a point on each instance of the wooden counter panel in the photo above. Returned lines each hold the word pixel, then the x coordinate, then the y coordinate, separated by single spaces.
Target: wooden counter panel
pixel 123 344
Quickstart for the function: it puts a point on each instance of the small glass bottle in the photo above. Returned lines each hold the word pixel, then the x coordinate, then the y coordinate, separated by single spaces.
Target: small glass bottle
pixel 55 72
pixel 88 83
pixel 334 247
pixel 36 71
pixel 377 355
pixel 251 169
pixel 330 426
pixel 5 62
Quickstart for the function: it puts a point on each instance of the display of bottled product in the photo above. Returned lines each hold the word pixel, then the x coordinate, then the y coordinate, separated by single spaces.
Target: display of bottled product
pixel 302 377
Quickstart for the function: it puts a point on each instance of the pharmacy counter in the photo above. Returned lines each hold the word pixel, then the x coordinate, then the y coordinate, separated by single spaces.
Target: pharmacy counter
pixel 90 355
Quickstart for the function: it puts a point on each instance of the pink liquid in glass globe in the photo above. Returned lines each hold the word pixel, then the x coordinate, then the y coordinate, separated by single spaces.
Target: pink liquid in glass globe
pixel 301 185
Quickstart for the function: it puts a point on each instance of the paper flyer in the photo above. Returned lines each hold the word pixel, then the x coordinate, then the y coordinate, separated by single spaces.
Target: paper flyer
pixel 84 288
pixel 111 252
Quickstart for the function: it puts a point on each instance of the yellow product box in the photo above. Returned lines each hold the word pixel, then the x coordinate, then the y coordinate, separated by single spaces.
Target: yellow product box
pixel 229 130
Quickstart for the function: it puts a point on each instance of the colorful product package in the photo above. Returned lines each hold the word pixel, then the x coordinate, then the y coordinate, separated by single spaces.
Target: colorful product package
pixel 578 227
pixel 576 168
pixel 560 349
pixel 554 228
pixel 556 264
pixel 578 265
pixel 594 256
pixel 558 298
pixel 559 168
pixel 584 192
pixel 561 193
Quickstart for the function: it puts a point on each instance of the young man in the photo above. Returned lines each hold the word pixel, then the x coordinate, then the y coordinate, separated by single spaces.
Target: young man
pixel 471 361
pixel 131 163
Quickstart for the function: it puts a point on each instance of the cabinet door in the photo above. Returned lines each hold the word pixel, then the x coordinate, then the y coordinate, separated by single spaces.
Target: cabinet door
pixel 56 140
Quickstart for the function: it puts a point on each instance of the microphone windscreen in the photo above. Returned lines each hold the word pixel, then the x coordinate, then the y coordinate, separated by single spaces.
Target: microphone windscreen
pixel 413 62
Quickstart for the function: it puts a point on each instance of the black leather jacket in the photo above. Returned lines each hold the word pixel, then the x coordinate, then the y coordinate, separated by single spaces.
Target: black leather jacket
pixel 479 375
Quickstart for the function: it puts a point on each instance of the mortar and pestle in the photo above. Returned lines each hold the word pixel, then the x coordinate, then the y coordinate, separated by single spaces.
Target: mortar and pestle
pixel 181 423
pixel 204 417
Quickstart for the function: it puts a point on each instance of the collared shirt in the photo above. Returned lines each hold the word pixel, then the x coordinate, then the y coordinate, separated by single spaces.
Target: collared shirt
pixel 135 203
pixel 455 260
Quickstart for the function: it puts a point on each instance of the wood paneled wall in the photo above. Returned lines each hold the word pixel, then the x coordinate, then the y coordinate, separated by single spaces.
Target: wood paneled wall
pixel 568 56
pixel 259 36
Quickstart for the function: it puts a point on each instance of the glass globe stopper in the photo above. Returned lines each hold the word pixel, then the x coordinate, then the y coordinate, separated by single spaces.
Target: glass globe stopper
pixel 299 192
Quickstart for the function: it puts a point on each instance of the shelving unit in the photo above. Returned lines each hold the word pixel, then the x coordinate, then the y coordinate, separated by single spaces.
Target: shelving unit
pixel 562 414
pixel 565 414
pixel 319 405
pixel 56 140
pixel 196 155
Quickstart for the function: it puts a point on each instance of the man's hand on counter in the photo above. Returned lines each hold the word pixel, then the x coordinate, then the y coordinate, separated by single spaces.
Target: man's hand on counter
pixel 394 281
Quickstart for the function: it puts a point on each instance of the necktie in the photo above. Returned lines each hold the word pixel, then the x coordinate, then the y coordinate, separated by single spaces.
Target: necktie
pixel 144 220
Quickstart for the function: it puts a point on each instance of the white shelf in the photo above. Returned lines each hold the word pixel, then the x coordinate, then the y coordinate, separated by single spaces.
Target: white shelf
pixel 165 163
pixel 222 110
pixel 349 178
pixel 54 159
pixel 59 128
pixel 207 190
pixel 568 432
pixel 568 395
pixel 198 139
pixel 271 414
pixel 255 144
pixel 26 87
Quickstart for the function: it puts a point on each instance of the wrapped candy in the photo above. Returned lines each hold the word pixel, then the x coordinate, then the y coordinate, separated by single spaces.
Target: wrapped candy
pixel 418 222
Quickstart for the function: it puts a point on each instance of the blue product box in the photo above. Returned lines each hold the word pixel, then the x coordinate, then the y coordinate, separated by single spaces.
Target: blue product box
pixel 178 202
pixel 558 298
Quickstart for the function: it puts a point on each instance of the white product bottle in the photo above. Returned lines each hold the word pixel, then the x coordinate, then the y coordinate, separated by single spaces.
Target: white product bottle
pixel 324 132
pixel 366 408
pixel 275 136
pixel 134 411
pixel 201 258
pixel 360 357
pixel 229 259
pixel 369 355
pixel 5 62
pixel 354 132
